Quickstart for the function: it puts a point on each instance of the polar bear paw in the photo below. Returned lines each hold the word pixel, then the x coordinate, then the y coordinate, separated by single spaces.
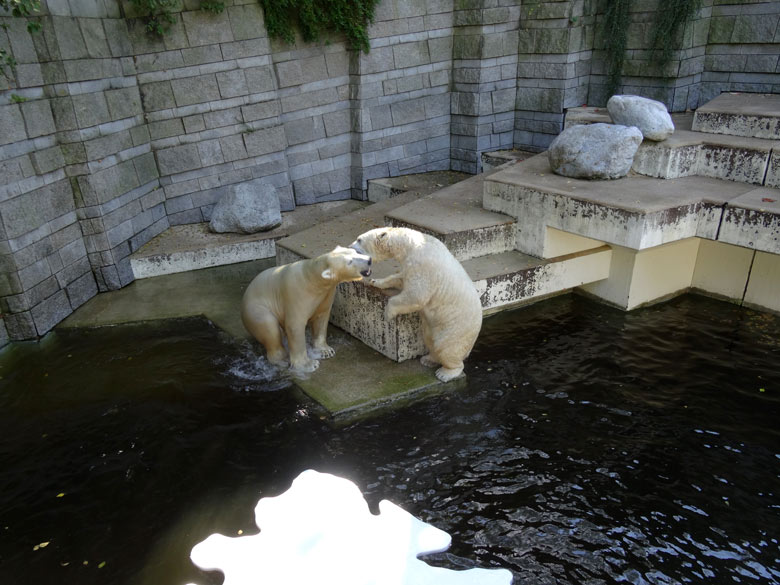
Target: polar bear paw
pixel 323 352
pixel 428 361
pixel 305 367
pixel 447 374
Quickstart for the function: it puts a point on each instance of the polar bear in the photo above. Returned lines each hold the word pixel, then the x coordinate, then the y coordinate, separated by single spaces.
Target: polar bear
pixel 286 298
pixel 433 282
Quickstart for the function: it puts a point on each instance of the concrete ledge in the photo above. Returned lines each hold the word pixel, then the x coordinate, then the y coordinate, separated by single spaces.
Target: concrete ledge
pixel 635 212
pixel 193 246
pixel 740 114
pixel 753 221
pixel 686 153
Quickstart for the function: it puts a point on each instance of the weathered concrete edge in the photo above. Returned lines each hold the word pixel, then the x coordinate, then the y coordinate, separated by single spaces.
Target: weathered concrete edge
pixel 161 264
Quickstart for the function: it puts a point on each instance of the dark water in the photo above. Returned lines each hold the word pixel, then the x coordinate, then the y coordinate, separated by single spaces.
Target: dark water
pixel 590 446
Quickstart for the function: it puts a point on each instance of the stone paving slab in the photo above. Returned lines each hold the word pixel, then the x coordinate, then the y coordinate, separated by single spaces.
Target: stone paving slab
pixel 358 379
pixel 420 183
pixel 634 193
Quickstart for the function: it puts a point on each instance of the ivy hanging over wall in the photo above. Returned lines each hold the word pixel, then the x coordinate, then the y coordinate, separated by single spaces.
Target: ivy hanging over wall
pixel 18 9
pixel 158 17
pixel 615 35
pixel 670 17
pixel 313 17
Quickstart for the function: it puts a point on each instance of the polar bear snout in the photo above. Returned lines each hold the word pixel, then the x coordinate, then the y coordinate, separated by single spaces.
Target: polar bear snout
pixel 357 247
pixel 363 259
pixel 367 271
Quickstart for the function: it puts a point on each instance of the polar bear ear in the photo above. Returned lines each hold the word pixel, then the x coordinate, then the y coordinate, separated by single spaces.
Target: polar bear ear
pixel 327 274
pixel 382 235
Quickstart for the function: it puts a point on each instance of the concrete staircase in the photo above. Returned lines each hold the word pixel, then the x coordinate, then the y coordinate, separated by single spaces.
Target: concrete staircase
pixel 700 210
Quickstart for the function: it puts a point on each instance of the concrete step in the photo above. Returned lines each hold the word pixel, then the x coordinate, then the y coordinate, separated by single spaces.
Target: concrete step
pixel 455 216
pixel 191 247
pixel 421 183
pixel 740 114
pixel 700 150
pixel 686 153
pixel 635 212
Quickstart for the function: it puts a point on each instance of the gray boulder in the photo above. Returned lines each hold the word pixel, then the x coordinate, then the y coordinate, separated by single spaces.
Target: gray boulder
pixel 594 151
pixel 648 115
pixel 247 208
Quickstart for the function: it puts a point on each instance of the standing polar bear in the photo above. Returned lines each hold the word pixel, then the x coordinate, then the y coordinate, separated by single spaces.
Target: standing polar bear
pixel 287 298
pixel 434 283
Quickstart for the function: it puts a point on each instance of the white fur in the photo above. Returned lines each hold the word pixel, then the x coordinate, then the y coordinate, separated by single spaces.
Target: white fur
pixel 433 282
pixel 283 300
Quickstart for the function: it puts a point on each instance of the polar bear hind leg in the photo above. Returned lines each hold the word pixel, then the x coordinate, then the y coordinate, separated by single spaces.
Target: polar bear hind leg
pixel 429 360
pixel 447 351
pixel 262 324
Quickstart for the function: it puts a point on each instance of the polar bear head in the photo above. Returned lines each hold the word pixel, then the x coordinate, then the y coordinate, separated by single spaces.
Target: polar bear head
pixel 388 242
pixel 346 264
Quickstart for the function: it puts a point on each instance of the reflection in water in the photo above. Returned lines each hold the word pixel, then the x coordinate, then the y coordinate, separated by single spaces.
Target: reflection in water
pixel 590 446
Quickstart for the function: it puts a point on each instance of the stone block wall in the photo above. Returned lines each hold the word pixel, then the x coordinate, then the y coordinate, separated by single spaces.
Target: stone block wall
pixel 400 92
pixel 108 135
pixel 554 66
pixel 743 48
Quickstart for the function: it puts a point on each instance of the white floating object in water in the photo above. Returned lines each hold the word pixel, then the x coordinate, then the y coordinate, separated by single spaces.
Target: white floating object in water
pixel 321 531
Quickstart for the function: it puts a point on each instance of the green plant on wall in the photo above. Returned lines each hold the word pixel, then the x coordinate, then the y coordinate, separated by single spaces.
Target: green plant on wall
pixel 158 17
pixel 313 17
pixel 18 9
pixel 615 35
pixel 671 17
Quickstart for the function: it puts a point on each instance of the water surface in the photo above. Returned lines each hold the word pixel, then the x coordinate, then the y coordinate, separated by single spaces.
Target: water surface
pixel 589 446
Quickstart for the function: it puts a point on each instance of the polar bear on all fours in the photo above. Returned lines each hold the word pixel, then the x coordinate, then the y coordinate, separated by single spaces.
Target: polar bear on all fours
pixel 433 282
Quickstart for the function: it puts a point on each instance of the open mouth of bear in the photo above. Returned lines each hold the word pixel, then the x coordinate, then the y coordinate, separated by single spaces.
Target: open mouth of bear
pixel 366 272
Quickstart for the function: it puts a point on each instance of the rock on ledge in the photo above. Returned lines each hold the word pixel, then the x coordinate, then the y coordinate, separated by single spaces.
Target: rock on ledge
pixel 648 115
pixel 247 208
pixel 594 151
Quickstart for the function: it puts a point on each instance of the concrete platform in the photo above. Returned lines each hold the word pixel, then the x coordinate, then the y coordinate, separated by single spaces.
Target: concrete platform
pixel 356 381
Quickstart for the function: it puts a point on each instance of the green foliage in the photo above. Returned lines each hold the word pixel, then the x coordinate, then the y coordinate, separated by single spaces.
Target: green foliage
pixel 212 6
pixel 670 19
pixel 313 17
pixel 18 9
pixel 156 14
pixel 17 99
pixel 615 35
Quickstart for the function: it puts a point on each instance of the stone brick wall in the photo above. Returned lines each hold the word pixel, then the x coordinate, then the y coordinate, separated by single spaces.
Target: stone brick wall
pixel 554 66
pixel 743 48
pixel 108 135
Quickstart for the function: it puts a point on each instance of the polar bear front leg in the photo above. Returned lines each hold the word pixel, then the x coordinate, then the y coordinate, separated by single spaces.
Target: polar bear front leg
pixel 296 340
pixel 401 304
pixel 319 329
pixel 392 281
